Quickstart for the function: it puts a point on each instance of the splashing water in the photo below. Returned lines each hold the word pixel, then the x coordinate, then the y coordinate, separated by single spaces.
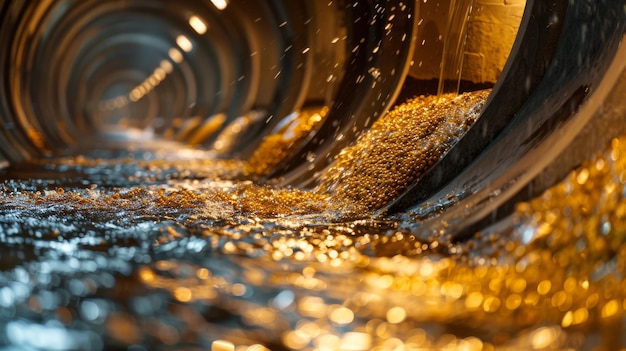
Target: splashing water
pixel 147 249
pixel 454 46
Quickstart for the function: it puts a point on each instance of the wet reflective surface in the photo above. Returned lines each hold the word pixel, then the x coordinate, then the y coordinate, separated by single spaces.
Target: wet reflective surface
pixel 154 247
pixel 195 72
pixel 137 242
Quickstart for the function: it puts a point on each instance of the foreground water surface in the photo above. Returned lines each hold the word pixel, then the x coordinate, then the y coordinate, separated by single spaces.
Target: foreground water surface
pixel 161 248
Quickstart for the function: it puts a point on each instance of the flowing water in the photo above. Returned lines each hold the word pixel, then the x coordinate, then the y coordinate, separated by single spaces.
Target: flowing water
pixel 454 40
pixel 162 247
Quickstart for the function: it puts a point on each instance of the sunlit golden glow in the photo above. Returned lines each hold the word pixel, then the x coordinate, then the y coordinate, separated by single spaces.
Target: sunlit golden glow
pixel 222 345
pixel 135 95
pixel 166 66
pixel 610 309
pixel 184 43
pixel 396 315
pixel 543 288
pixel 175 55
pixel 544 337
pixel 220 4
pixel 159 74
pixel 238 289
pixel 364 284
pixel 474 300
pixel 312 306
pixel 146 275
pixel 197 24
pixel 182 294
pixel 341 315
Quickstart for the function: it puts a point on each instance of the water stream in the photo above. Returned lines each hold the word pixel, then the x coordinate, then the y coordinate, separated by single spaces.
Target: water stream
pixel 454 39
pixel 161 247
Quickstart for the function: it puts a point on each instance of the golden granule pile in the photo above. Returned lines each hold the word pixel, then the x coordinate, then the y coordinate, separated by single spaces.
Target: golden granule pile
pixel 552 280
pixel 400 147
pixel 289 136
pixel 397 150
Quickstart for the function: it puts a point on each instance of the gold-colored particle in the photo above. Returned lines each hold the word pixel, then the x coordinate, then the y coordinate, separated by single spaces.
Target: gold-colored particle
pixel 386 160
pixel 396 315
pixel 400 147
pixel 222 345
pixel 553 277
pixel 277 146
pixel 123 328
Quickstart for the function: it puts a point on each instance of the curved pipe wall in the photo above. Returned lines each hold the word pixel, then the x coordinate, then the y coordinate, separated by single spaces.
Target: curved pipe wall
pixel 563 53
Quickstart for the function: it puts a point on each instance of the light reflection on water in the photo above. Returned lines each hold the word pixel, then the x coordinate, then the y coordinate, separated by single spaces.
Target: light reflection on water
pixel 89 262
pixel 146 249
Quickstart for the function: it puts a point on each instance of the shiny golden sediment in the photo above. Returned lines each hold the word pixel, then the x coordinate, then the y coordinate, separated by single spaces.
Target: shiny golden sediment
pixel 277 146
pixel 551 280
pixel 400 147
pixel 393 154
pixel 388 158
